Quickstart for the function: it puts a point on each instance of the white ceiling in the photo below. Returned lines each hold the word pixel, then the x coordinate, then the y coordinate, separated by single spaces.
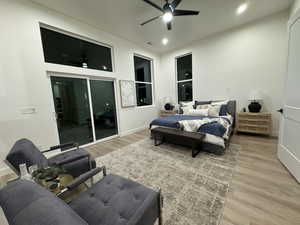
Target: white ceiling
pixel 122 18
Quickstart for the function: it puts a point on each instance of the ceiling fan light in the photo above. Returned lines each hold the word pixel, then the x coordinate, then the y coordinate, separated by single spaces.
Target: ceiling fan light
pixel 167 17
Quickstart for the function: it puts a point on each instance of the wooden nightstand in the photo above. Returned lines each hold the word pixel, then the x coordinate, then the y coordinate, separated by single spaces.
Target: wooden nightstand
pixel 256 123
pixel 164 113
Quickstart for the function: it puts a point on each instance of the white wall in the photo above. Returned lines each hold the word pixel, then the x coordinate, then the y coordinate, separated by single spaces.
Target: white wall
pixel 231 64
pixel 24 82
pixel 295 7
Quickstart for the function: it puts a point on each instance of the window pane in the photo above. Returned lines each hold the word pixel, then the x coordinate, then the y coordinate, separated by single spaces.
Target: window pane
pixel 104 109
pixel 144 94
pixel 142 69
pixel 184 68
pixel 66 50
pixel 185 91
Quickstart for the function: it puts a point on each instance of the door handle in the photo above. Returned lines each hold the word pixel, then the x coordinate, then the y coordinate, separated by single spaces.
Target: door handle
pixel 280 111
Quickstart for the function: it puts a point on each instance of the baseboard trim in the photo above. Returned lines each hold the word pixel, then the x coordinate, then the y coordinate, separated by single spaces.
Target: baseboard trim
pixel 290 161
pixel 132 131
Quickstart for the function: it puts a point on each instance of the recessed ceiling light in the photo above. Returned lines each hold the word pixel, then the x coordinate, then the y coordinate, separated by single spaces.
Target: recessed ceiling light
pixel 167 17
pixel 242 8
pixel 165 41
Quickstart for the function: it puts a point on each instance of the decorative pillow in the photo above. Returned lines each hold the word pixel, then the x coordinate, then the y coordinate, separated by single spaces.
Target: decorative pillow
pixel 223 110
pixel 185 110
pixel 202 106
pixel 184 106
pixel 197 103
pixel 198 112
pixel 214 110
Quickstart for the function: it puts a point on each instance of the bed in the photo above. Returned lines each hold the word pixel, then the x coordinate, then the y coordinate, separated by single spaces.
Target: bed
pixel 218 129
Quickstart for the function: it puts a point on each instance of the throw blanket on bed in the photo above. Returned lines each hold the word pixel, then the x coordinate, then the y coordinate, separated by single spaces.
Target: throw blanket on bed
pixel 195 125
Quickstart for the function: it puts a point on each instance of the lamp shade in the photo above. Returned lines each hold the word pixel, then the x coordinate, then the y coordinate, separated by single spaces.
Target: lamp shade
pixel 167 100
pixel 255 95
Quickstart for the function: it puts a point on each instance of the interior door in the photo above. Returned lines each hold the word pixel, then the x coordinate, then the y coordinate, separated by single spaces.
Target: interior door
pixel 289 142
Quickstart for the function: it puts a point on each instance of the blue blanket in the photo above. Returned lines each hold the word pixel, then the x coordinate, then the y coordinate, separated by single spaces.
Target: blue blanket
pixel 213 128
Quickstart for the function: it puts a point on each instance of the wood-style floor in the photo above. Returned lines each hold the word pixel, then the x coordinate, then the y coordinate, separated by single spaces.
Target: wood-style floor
pixel 263 191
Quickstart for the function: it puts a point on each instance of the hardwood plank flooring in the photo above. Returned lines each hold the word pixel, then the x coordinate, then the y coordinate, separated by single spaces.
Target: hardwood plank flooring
pixel 263 192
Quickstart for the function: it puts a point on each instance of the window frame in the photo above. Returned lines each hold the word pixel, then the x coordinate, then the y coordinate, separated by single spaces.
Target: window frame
pixel 81 37
pixel 142 82
pixel 182 81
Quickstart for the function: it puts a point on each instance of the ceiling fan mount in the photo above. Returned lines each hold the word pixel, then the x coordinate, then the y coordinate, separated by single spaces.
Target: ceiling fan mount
pixel 169 11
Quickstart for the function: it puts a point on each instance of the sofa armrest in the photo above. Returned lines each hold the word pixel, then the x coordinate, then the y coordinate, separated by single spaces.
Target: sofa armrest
pixel 84 177
pixel 62 147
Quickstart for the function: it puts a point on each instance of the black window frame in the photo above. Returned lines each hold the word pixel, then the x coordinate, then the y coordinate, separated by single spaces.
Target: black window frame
pixel 136 82
pixel 84 39
pixel 186 80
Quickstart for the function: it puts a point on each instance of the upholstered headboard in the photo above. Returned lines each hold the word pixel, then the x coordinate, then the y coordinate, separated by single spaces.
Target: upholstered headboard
pixel 231 109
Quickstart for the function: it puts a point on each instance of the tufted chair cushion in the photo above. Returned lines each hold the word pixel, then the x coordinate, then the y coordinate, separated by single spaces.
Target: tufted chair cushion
pixel 75 162
pixel 24 151
pixel 26 203
pixel 117 201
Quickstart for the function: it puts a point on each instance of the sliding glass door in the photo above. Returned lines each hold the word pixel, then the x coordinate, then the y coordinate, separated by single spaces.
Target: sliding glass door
pixel 85 109
pixel 104 108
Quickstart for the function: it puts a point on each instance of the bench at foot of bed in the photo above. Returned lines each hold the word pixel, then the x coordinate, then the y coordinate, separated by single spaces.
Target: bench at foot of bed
pixel 161 134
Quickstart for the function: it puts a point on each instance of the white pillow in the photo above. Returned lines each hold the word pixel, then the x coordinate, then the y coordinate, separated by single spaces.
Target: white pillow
pixel 214 110
pixel 202 106
pixel 225 102
pixel 198 112
pixel 187 104
pixel 186 109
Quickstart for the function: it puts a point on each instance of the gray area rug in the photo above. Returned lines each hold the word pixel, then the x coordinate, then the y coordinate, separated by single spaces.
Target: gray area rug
pixel 194 189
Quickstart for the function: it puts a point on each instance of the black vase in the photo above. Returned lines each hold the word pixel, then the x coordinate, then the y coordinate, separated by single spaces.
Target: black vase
pixel 168 106
pixel 254 107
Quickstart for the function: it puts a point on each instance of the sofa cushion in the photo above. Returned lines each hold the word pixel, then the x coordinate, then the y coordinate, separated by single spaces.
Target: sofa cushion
pixel 75 162
pixel 24 151
pixel 116 201
pixel 27 203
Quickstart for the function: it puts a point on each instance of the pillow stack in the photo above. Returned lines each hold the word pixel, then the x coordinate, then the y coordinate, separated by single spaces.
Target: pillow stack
pixel 204 108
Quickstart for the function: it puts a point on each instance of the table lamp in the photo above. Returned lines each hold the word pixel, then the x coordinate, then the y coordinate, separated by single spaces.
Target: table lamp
pixel 255 96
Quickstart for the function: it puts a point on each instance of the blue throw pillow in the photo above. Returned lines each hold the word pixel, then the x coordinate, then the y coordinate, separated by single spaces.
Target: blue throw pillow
pixel 223 110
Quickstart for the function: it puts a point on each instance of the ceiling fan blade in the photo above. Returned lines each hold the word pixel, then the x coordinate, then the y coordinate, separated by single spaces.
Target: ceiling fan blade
pixel 169 25
pixel 150 20
pixel 154 5
pixel 175 3
pixel 185 13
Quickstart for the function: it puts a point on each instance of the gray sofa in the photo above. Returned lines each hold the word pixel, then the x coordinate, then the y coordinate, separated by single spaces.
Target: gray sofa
pixel 75 162
pixel 111 201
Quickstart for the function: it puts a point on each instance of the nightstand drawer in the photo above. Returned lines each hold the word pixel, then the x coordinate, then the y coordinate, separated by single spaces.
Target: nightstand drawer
pixel 256 123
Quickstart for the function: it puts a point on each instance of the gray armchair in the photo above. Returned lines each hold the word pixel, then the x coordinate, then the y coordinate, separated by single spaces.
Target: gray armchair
pixel 111 201
pixel 75 162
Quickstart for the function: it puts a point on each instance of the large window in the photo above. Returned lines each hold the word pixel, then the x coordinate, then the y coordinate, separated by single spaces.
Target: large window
pixel 184 68
pixel 143 80
pixel 66 50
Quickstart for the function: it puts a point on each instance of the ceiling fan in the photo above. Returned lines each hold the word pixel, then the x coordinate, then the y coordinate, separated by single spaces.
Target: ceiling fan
pixel 169 11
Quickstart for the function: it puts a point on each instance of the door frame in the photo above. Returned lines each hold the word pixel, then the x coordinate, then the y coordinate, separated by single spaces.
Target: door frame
pixel 87 78
pixel 289 160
